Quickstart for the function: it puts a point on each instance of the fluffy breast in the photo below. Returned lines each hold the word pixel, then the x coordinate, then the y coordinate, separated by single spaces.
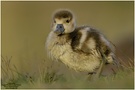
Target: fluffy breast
pixel 80 61
pixel 66 54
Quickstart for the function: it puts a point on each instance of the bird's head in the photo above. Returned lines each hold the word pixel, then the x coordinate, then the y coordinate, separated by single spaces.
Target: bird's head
pixel 63 22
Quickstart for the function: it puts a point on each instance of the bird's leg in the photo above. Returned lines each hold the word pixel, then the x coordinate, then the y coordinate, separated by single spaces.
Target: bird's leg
pixel 97 74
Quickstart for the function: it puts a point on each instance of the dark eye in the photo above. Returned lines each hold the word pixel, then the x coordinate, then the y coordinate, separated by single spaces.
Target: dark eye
pixel 67 21
pixel 54 21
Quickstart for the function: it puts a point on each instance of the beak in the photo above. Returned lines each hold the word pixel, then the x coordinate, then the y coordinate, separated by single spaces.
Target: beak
pixel 59 29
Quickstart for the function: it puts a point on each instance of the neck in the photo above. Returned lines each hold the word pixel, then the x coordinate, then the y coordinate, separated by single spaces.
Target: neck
pixel 62 39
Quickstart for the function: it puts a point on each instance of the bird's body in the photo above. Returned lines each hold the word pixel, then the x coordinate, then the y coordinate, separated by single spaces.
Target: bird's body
pixel 80 48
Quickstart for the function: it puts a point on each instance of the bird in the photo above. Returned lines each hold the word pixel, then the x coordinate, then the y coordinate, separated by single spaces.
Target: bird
pixel 81 48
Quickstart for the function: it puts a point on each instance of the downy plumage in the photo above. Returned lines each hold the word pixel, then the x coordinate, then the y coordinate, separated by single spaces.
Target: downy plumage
pixel 80 48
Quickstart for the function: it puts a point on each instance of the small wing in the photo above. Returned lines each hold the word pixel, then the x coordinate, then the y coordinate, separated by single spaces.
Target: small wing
pixel 87 39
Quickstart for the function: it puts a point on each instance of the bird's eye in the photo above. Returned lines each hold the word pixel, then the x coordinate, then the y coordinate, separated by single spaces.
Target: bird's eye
pixel 54 21
pixel 67 21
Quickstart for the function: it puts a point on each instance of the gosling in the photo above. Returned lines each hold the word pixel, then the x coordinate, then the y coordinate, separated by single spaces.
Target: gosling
pixel 83 48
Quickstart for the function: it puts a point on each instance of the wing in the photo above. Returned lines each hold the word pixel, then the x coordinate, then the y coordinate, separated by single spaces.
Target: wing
pixel 87 39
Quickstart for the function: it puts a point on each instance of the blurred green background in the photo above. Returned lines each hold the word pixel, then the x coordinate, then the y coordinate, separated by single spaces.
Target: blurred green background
pixel 25 26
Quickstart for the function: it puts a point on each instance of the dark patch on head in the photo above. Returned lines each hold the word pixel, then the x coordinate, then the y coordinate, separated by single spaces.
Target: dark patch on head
pixel 63 14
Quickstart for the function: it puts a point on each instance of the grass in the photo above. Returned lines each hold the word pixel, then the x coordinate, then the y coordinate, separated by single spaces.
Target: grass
pixel 50 78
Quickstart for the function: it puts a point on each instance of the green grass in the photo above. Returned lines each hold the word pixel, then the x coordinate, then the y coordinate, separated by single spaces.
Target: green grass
pixel 50 78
